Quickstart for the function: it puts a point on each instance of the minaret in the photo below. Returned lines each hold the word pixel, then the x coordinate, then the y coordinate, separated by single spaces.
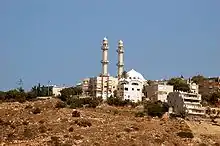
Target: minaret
pixel 120 63
pixel 105 57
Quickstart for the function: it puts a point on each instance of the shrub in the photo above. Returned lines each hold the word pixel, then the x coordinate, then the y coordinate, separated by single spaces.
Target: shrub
pixel 36 111
pixel 75 114
pixel 77 102
pixel 185 134
pixel 116 101
pixel 155 109
pixel 71 129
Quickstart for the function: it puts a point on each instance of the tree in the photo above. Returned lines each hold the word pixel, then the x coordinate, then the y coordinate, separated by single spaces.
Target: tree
pixel 198 79
pixel 2 95
pixel 149 82
pixel 179 84
pixel 68 93
pixel 214 98
pixel 124 74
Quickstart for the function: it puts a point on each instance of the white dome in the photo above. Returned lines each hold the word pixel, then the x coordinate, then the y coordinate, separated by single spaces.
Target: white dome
pixel 132 74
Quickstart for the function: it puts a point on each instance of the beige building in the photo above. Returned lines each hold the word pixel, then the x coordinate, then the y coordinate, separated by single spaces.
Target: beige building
pixel 102 86
pixel 56 90
pixel 158 92
pixel 183 102
pixel 85 86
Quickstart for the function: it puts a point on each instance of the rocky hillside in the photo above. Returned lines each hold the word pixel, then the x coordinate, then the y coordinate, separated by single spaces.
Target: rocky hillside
pixel 41 123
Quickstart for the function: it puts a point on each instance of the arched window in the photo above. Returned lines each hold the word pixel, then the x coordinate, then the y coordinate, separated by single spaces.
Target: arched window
pixel 135 84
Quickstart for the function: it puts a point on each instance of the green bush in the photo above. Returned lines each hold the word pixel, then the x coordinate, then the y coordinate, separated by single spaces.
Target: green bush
pixel 155 109
pixel 116 101
pixel 90 102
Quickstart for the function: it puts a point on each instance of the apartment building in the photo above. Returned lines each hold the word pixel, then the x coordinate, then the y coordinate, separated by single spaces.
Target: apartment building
pixel 102 86
pixel 184 102
pixel 158 92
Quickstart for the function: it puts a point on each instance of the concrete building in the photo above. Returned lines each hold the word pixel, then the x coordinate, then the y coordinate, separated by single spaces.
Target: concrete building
pixel 102 86
pixel 158 92
pixel 183 102
pixel 131 87
pixel 56 90
pixel 85 86
pixel 194 88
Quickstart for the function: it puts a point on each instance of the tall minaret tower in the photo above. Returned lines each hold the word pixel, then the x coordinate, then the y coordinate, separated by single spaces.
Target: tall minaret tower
pixel 120 63
pixel 105 57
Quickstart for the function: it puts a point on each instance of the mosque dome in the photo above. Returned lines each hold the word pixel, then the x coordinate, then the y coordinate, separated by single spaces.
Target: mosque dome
pixel 132 74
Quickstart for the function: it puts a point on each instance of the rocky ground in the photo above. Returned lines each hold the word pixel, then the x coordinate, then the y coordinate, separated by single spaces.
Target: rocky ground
pixel 41 123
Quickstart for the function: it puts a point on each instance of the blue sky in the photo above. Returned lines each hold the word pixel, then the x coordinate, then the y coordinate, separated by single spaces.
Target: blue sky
pixel 59 40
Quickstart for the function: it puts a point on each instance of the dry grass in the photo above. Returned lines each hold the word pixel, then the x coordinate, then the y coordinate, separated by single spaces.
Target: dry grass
pixel 100 126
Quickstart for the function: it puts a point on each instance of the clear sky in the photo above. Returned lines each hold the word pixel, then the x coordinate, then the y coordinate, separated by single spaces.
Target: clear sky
pixel 59 40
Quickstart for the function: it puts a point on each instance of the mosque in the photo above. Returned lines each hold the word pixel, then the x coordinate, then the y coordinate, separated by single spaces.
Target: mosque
pixel 126 85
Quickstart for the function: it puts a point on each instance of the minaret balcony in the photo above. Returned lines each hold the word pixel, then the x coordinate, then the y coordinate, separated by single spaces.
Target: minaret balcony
pixel 104 47
pixel 120 51
pixel 120 64
pixel 104 61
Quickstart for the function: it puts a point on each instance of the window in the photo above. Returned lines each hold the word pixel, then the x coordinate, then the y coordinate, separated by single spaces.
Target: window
pixel 129 77
pixel 135 84
pixel 126 89
pixel 138 89
pixel 132 89
pixel 134 78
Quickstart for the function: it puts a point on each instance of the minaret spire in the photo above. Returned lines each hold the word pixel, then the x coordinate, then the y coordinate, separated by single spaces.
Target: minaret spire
pixel 104 60
pixel 120 63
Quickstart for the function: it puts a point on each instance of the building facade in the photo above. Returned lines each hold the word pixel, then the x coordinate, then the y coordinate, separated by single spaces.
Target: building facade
pixel 56 90
pixel 183 102
pixel 131 87
pixel 158 92
pixel 102 86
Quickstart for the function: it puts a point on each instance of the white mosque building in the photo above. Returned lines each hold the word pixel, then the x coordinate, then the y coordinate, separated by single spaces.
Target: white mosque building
pixel 128 86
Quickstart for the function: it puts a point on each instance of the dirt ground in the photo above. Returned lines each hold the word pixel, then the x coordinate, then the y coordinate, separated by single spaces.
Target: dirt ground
pixel 24 124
